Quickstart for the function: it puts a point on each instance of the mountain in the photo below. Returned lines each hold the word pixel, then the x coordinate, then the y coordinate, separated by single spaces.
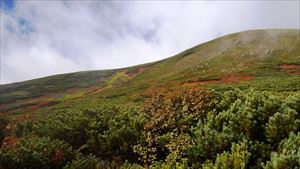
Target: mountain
pixel 266 60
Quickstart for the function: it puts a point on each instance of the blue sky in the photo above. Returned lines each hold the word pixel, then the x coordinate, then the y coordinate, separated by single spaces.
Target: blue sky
pixel 7 5
pixel 41 38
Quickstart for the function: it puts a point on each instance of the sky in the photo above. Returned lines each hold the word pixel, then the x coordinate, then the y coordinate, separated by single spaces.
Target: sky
pixel 42 38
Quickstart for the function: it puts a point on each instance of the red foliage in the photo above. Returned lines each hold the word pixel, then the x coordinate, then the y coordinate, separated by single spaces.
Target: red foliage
pixel 291 69
pixel 166 110
pixel 229 78
pixel 286 66
pixel 10 142
pixel 58 156
pixel 137 72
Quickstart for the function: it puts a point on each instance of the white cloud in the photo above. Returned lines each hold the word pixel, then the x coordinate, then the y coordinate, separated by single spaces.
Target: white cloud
pixel 41 38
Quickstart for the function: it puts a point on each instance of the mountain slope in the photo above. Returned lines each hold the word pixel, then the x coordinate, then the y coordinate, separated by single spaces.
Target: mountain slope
pixel 262 59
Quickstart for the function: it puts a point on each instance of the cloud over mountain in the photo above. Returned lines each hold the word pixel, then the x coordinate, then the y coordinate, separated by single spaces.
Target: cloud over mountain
pixel 40 38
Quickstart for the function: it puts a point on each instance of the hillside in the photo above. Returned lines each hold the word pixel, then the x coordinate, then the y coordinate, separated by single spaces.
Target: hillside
pixel 262 59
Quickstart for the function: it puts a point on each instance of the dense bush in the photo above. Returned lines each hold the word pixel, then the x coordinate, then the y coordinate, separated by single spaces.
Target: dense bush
pixel 3 124
pixel 284 121
pixel 189 128
pixel 170 116
pixel 238 116
pixel 113 132
pixel 23 128
pixel 287 155
pixel 37 153
pixel 262 120
pixel 69 126
pixel 238 158
pixel 88 162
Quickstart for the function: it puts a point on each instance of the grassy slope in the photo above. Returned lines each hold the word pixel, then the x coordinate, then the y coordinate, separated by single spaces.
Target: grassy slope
pixel 251 58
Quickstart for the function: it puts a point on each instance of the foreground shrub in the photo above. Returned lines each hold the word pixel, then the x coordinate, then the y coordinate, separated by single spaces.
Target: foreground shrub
pixel 114 131
pixel 37 153
pixel 286 120
pixel 81 162
pixel 238 116
pixel 170 116
pixel 69 126
pixel 288 154
pixel 171 162
pixel 238 158
pixel 24 128
pixel 3 124
pixel 107 132
pixel 190 128
pixel 213 133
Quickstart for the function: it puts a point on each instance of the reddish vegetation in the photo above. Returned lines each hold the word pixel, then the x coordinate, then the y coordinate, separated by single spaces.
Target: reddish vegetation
pixel 10 142
pixel 2 108
pixel 101 89
pixel 230 78
pixel 72 90
pixel 31 103
pixel 139 71
pixel 235 78
pixel 90 90
pixel 285 66
pixel 43 104
pixel 295 73
pixel 291 69
pixel 58 156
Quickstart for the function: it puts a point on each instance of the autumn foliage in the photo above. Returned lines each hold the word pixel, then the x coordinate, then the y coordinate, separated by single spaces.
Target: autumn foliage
pixel 180 128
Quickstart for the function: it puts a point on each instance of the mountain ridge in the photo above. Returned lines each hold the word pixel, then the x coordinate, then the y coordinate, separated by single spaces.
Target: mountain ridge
pixel 114 69
pixel 253 58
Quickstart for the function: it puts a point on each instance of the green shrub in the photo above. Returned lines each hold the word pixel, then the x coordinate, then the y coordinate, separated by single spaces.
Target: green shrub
pixel 37 153
pixel 24 128
pixel 237 116
pixel 286 120
pixel 170 163
pixel 288 154
pixel 69 126
pixel 81 162
pixel 236 159
pixel 189 128
pixel 128 165
pixel 112 134
pixel 3 124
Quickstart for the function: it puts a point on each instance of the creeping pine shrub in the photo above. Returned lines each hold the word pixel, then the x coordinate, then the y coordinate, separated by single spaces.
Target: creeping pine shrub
pixel 287 155
pixel 237 158
pixel 113 132
pixel 183 128
pixel 260 118
pixel 231 129
pixel 37 153
pixel 286 120
pixel 23 128
pixel 107 132
pixel 69 126
pixel 81 162
pixel 128 165
pixel 3 124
